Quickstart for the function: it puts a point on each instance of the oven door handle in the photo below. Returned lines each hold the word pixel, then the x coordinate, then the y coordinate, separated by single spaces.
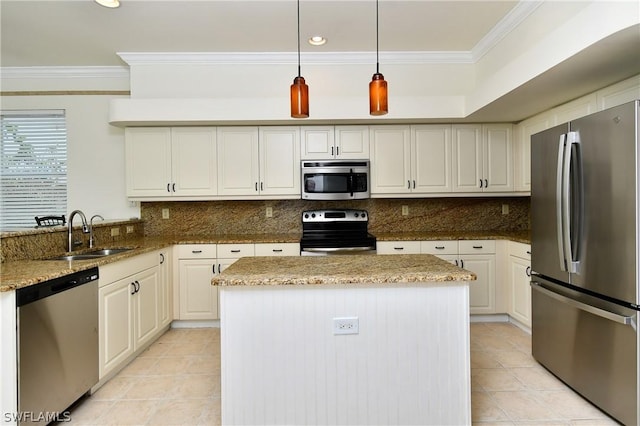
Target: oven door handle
pixel 335 249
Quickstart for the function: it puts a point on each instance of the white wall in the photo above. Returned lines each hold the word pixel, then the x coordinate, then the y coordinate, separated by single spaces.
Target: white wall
pixel 95 153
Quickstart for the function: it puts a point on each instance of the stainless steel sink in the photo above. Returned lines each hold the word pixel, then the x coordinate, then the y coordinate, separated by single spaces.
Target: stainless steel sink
pixel 95 254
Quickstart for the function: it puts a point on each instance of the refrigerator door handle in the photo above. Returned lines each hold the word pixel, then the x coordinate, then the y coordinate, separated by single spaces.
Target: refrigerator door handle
pixel 561 178
pixel 622 319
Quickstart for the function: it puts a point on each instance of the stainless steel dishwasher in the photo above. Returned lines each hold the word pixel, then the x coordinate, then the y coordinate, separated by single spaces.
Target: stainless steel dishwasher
pixel 57 345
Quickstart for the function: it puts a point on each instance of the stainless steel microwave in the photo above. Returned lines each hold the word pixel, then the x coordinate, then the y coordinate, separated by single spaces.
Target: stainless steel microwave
pixel 335 179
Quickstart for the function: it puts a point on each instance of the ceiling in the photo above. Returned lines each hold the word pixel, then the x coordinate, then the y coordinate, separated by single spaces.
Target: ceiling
pixel 82 33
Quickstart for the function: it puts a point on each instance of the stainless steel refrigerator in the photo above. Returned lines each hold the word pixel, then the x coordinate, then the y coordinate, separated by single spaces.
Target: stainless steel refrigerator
pixel 584 229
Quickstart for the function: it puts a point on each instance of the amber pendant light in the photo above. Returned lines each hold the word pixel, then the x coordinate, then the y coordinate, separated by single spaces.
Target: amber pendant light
pixel 299 89
pixel 378 104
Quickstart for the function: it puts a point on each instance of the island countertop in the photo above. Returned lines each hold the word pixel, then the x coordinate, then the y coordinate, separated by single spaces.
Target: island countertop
pixel 348 269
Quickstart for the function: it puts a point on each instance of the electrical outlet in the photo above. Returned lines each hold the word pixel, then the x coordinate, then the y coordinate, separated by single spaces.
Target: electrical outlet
pixel 405 210
pixel 165 213
pixel 115 232
pixel 505 209
pixel 129 229
pixel 269 211
pixel 346 325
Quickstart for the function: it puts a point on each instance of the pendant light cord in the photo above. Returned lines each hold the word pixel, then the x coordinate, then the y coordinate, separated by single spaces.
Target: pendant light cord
pixel 377 48
pixel 299 72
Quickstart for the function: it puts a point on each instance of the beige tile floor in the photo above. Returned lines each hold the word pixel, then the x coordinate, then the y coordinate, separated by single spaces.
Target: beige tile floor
pixel 177 382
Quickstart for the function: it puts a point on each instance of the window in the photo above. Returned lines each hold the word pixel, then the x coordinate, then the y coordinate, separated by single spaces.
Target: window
pixel 33 167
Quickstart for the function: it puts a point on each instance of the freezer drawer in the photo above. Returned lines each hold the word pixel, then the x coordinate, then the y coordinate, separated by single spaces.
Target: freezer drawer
pixel 590 349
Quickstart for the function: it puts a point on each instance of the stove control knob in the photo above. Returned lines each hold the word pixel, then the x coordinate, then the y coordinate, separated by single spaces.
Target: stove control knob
pixel 363 215
pixel 313 215
pixel 306 215
pixel 356 214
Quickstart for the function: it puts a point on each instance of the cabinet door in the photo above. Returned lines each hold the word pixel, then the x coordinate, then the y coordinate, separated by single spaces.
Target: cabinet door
pixel 194 161
pixel 318 142
pixel 520 291
pixel 352 142
pixel 198 298
pixel 523 149
pixel 390 159
pixel 467 158
pixel 497 158
pixel 116 324
pixel 164 276
pixel 146 302
pixel 238 170
pixel 482 291
pixel 148 161
pixel 431 158
pixel 280 161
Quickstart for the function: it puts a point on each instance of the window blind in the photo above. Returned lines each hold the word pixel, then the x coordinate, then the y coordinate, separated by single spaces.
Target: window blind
pixel 33 166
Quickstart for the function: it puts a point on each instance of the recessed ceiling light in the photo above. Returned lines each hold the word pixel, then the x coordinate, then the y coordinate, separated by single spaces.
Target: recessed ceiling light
pixel 317 40
pixel 109 3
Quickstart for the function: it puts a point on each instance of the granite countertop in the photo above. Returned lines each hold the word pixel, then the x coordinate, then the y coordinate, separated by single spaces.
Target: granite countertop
pixel 356 269
pixel 17 274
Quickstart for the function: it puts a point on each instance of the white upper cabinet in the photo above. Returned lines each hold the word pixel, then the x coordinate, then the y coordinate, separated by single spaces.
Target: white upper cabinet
pixel 467 158
pixel 482 158
pixel 279 161
pixel 390 159
pixel 431 158
pixel 259 162
pixel 238 172
pixel 522 161
pixel 170 162
pixel 334 142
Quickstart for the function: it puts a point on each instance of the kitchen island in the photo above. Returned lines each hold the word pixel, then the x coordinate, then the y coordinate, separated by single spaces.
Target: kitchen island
pixel 345 340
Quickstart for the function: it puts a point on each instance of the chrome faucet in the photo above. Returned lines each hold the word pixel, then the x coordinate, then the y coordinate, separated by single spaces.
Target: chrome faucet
pixel 85 228
pixel 92 239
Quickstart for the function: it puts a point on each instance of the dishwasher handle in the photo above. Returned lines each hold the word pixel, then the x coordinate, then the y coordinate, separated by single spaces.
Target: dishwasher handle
pixel 35 292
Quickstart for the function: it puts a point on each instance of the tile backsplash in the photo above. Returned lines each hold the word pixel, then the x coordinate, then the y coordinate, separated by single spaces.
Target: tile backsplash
pixel 249 217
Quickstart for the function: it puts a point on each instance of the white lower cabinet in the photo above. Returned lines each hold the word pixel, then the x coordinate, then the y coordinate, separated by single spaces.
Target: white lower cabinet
pixel 477 256
pixel 130 309
pixel 519 278
pixel 196 266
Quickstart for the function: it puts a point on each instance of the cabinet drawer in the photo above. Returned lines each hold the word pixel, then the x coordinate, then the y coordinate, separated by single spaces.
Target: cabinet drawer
pixel 113 272
pixel 520 250
pixel 235 251
pixel 398 247
pixel 439 247
pixel 476 246
pixel 278 249
pixel 196 251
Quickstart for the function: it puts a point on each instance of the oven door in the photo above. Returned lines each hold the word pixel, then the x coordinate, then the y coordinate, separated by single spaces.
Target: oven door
pixel 337 251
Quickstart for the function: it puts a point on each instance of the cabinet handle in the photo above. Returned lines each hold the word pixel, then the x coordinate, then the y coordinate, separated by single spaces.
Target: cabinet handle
pixel 261 186
pixel 173 187
pixel 256 186
pixel 134 288
pixel 277 250
pixel 332 151
pixel 528 271
pixel 398 248
pixel 439 247
pixel 529 252
pixel 168 187
pixel 456 262
pixel 219 268
pixel 461 263
pixel 477 247
pixel 486 183
pixel 480 183
pixel 196 251
pixel 414 184
pixel 213 268
pixel 235 251
pixel 337 150
pixel 161 258
pixel 408 184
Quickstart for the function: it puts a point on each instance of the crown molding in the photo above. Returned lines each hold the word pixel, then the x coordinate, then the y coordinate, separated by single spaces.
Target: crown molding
pixel 507 24
pixel 287 58
pixel 64 72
